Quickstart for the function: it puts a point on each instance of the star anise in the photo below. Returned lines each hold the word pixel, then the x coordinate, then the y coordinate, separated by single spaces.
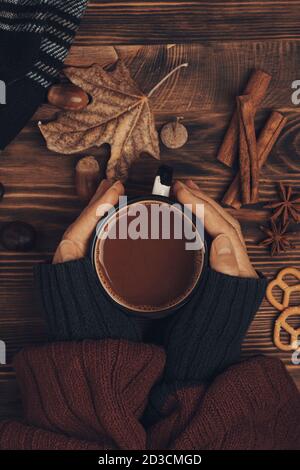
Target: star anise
pixel 286 208
pixel 277 238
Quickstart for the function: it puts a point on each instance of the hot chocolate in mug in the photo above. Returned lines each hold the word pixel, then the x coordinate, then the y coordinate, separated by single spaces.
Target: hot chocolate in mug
pixel 149 252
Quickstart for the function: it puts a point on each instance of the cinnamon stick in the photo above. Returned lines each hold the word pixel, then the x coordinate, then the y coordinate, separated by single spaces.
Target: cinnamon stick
pixel 265 143
pixel 256 87
pixel 249 171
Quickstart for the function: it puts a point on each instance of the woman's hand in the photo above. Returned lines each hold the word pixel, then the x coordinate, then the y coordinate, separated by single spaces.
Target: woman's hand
pixel 228 253
pixel 204 337
pixel 75 241
pixel 76 307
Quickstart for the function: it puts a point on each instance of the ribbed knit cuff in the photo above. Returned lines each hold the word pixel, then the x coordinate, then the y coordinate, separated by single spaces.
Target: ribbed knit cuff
pixel 75 306
pixel 205 336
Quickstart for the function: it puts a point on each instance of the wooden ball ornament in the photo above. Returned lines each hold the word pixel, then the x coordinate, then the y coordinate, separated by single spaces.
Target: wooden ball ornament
pixel 174 134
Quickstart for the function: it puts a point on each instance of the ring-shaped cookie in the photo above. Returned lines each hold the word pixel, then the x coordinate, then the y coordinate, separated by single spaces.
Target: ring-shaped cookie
pixel 281 323
pixel 282 284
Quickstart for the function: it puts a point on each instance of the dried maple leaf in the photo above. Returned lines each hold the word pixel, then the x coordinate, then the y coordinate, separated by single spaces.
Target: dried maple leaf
pixel 119 114
pixel 287 207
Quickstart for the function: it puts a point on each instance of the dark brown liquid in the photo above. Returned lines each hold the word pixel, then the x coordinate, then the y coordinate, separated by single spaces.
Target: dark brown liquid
pixel 147 275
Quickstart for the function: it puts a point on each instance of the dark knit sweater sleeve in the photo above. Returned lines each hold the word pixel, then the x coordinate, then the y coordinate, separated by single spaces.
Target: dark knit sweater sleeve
pixel 205 337
pixel 253 405
pixel 75 306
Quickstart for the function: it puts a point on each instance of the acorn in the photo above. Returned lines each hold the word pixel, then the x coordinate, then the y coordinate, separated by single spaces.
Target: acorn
pixel 18 236
pixel 87 177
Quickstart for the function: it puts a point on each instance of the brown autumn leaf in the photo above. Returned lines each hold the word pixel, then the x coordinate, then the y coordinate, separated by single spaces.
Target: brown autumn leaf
pixel 119 114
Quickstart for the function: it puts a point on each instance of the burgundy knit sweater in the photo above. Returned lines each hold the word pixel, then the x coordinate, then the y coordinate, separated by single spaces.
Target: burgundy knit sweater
pixel 93 394
pixel 103 387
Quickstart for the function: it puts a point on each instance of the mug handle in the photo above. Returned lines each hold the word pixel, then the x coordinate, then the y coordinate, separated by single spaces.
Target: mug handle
pixel 163 181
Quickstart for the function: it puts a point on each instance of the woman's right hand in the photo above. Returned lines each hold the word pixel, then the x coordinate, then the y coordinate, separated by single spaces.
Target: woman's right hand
pixel 228 254
pixel 76 239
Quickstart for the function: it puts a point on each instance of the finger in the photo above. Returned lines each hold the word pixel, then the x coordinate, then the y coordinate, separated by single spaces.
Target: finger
pixel 82 229
pixel 222 256
pixel 102 188
pixel 67 250
pixel 214 222
pixel 196 190
pixel 191 184
pixel 216 219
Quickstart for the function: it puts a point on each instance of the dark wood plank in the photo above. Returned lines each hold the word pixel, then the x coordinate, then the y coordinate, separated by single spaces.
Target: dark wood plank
pixel 216 71
pixel 154 22
pixel 40 184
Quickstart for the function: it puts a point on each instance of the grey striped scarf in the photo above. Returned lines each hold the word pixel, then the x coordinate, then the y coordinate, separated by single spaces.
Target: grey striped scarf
pixel 55 20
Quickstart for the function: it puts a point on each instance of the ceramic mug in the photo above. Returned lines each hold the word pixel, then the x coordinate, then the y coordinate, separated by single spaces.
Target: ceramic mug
pixel 161 196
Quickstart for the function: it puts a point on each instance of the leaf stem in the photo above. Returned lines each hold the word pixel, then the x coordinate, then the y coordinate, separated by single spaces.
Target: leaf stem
pixel 166 78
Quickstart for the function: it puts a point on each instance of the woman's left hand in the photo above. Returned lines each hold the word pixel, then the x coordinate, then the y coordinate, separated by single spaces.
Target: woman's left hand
pixel 228 253
pixel 75 241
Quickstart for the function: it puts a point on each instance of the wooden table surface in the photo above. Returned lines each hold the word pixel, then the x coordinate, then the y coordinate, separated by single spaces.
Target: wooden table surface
pixel 222 42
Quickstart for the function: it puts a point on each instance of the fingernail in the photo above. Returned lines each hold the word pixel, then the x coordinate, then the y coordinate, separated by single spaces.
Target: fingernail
pixel 192 184
pixel 116 185
pixel 102 184
pixel 182 185
pixel 223 245
pixel 179 183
